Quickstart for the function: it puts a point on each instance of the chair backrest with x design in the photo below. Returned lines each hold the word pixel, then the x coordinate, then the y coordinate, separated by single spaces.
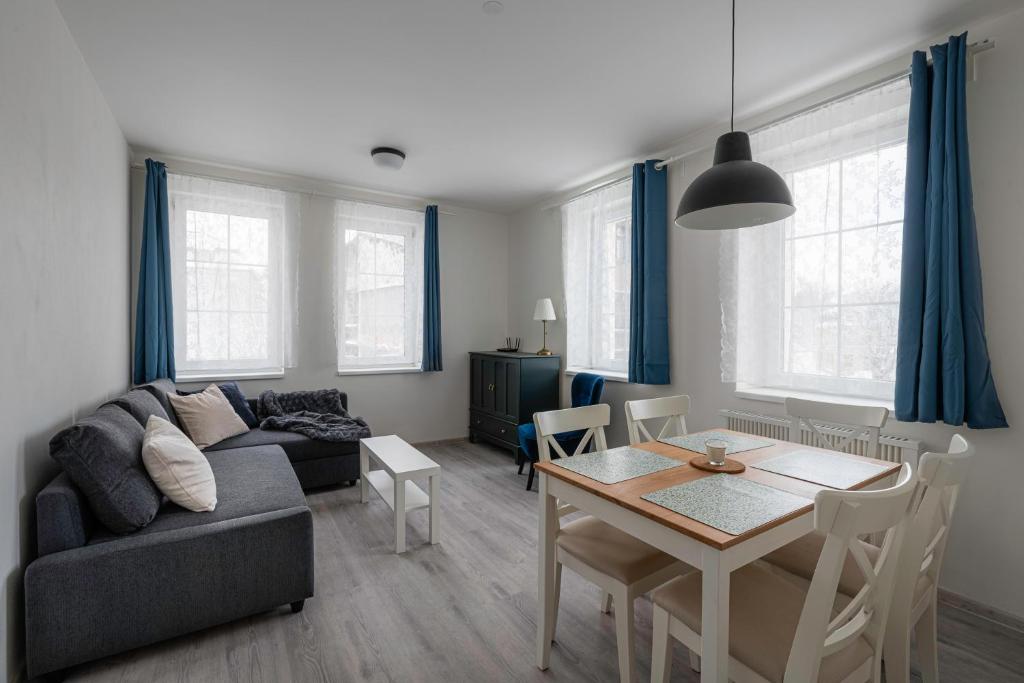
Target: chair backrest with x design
pixel 844 516
pixel 591 420
pixel 843 423
pixel 675 408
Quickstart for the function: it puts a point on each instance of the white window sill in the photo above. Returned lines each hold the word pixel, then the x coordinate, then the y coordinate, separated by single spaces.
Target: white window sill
pixel 217 376
pixel 769 395
pixel 607 374
pixel 342 372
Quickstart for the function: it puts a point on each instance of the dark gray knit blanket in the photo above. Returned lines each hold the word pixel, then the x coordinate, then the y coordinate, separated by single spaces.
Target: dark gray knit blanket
pixel 316 414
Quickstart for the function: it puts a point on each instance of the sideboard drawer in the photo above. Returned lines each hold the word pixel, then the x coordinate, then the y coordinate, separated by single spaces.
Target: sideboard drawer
pixel 483 423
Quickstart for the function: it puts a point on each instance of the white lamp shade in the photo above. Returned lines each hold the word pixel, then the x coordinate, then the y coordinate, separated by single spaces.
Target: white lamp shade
pixel 545 310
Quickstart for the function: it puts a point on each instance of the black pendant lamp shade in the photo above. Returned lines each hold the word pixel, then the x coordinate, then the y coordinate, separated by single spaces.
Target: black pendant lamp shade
pixel 735 192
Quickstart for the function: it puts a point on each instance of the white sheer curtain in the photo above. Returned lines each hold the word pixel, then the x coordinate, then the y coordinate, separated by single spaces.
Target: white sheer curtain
pixel 596 234
pixel 811 303
pixel 234 255
pixel 378 286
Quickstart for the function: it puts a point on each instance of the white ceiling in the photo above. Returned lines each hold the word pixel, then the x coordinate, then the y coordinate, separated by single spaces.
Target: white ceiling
pixel 494 111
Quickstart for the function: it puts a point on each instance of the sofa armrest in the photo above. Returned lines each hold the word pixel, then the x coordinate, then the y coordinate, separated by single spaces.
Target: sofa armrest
pixel 63 518
pixel 143 588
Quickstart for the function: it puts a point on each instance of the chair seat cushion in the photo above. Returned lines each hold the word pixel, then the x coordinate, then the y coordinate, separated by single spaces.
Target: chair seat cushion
pixel 297 447
pixel 765 608
pixel 611 551
pixel 801 557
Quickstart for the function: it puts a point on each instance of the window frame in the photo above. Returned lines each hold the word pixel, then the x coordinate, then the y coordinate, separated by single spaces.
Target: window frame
pixel 181 203
pixel 408 224
pixel 614 211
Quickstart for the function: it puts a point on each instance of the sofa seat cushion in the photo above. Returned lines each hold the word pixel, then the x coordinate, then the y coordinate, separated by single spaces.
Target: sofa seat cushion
pixel 102 454
pixel 299 448
pixel 250 481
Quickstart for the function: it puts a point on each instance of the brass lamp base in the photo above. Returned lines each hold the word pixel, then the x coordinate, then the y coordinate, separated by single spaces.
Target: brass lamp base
pixel 544 350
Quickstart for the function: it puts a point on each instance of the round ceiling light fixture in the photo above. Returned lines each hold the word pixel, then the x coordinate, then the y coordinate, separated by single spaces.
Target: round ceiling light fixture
pixel 388 157
pixel 493 7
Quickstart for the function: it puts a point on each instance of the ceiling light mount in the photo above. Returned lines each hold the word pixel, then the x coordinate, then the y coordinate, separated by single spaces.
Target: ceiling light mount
pixel 736 192
pixel 493 7
pixel 388 157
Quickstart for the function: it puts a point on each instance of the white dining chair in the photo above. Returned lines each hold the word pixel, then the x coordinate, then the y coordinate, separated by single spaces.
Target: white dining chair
pixel 673 409
pixel 842 423
pixel 620 565
pixel 914 598
pixel 785 629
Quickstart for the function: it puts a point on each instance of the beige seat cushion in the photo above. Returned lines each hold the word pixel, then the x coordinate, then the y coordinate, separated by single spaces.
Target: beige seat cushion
pixel 207 417
pixel 611 551
pixel 764 612
pixel 801 557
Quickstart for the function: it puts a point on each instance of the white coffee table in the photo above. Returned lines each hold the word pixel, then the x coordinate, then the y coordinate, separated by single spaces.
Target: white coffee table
pixel 400 463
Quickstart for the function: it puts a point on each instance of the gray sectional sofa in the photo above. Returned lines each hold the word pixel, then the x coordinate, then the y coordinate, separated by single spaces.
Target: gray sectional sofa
pixel 93 593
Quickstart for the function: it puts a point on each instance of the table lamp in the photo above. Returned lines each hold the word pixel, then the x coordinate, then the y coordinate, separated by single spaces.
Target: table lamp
pixel 544 312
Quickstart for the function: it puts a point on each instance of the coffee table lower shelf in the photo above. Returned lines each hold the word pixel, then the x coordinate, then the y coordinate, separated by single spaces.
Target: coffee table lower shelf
pixel 381 482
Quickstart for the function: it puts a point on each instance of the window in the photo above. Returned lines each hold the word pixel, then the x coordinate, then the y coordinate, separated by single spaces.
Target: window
pixel 231 277
pixel 811 303
pixel 596 242
pixel 379 287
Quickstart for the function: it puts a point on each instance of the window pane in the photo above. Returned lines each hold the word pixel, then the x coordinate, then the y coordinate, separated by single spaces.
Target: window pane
pixel 248 339
pixel 869 342
pixel 813 340
pixel 249 240
pixel 211 235
pixel 249 289
pixel 871 264
pixel 892 173
pixel 814 270
pixel 390 254
pixel 211 287
pixel 816 197
pixel 211 336
pixel 860 190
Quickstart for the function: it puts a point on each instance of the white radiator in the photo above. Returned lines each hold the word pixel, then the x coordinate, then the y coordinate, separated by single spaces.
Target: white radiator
pixel 891 447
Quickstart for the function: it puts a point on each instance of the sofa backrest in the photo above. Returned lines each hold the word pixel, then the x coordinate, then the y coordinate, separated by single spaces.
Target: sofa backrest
pixel 63 518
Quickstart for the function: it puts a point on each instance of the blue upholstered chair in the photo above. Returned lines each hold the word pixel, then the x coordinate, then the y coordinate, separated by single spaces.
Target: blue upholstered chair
pixel 586 390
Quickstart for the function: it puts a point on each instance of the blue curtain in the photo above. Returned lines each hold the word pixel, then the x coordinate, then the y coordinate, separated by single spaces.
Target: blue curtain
pixel 154 321
pixel 648 306
pixel 431 295
pixel 942 364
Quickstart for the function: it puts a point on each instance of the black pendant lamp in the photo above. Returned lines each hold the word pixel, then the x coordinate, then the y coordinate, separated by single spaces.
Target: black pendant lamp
pixel 736 192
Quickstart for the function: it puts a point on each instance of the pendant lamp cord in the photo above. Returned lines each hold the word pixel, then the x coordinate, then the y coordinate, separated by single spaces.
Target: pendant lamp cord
pixel 732 93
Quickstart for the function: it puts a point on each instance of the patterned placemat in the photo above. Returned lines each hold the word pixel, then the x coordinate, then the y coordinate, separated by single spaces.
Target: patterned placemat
pixel 695 442
pixel 617 464
pixel 826 469
pixel 727 502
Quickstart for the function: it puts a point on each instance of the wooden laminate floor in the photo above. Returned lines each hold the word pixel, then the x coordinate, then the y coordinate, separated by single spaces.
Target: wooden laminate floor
pixel 463 610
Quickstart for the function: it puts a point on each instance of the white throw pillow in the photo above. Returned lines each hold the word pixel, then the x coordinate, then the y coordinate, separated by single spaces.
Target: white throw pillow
pixel 207 417
pixel 177 467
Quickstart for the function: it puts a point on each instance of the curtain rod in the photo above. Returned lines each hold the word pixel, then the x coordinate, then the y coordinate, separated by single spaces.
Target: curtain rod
pixel 310 193
pixel 972 50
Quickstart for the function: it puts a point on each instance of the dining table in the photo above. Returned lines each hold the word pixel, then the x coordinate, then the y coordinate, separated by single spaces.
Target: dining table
pixel 714 552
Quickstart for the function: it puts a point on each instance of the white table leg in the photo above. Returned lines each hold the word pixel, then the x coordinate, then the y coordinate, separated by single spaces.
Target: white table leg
pixel 547 528
pixel 364 467
pixel 435 508
pixel 714 656
pixel 399 515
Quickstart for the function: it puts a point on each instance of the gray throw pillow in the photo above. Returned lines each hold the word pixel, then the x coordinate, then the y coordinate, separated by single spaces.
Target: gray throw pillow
pixel 102 454
pixel 160 388
pixel 141 405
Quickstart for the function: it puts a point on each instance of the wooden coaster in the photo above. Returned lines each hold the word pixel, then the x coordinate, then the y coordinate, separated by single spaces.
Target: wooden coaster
pixel 731 466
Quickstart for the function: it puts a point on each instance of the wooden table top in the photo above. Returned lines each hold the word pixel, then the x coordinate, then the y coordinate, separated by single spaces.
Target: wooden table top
pixel 627 493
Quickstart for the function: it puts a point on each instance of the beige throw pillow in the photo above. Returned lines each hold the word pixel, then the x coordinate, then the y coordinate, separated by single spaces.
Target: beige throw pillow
pixel 177 467
pixel 207 417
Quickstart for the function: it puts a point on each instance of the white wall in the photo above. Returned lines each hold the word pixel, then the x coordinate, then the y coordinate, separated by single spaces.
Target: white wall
pixel 986 556
pixel 63 270
pixel 474 284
